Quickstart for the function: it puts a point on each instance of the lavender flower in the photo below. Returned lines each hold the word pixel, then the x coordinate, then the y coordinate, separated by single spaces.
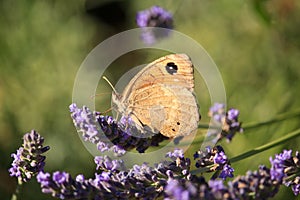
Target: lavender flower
pixel 28 161
pixel 279 164
pixel 217 112
pixel 196 188
pixel 228 121
pixel 220 158
pixel 215 160
pixel 227 171
pixel 286 169
pixel 233 114
pixel 115 182
pixel 85 121
pixel 61 185
pixel 107 164
pixel 165 179
pixel 296 185
pixel 256 185
pixel 143 181
pixel 180 191
pixel 169 179
pixel 154 17
pixel 218 190
pixel 177 153
pixel 108 134
pixel 182 164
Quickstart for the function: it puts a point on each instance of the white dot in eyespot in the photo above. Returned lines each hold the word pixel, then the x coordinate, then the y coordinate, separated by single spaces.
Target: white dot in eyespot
pixel 171 68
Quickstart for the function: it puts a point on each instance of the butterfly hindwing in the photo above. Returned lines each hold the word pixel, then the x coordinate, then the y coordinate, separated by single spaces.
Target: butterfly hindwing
pixel 160 97
pixel 172 111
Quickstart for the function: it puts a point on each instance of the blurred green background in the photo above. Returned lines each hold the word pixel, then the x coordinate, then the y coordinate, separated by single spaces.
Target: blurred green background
pixel 255 44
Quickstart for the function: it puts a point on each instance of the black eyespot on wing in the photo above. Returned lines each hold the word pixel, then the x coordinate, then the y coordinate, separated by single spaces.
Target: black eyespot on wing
pixel 173 129
pixel 178 123
pixel 171 68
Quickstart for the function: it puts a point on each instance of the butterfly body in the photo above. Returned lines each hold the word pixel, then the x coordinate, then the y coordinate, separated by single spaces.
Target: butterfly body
pixel 160 97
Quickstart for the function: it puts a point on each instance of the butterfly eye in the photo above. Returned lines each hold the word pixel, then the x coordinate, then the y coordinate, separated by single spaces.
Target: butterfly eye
pixel 171 68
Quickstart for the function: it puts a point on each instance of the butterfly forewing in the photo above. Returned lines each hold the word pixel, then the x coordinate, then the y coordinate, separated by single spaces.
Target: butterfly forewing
pixel 158 72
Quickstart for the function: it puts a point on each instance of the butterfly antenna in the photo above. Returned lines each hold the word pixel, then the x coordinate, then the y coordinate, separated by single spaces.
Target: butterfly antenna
pixel 104 77
pixel 93 96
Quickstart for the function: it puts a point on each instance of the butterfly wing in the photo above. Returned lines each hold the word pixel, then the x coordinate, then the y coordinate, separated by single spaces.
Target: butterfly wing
pixel 174 69
pixel 171 110
pixel 161 96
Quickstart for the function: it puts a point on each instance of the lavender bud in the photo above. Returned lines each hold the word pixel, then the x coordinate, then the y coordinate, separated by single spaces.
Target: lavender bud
pixel 227 120
pixel 28 160
pixel 154 17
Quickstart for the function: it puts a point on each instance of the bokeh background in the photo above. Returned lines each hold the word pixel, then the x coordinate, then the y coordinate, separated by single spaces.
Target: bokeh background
pixel 255 44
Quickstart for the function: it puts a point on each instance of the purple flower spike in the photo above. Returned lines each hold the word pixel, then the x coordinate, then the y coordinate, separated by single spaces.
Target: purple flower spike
pixel 108 134
pixel 217 108
pixel 61 185
pixel 73 107
pixel 43 178
pixel 177 153
pixel 228 121
pixel 233 114
pixel 107 164
pixel 254 185
pixel 283 169
pixel 154 17
pixel 216 158
pixel 218 189
pixel 176 191
pixel 216 185
pixel 279 164
pixel 226 172
pixel 29 161
pixel 60 177
pixel 80 178
pixel 220 158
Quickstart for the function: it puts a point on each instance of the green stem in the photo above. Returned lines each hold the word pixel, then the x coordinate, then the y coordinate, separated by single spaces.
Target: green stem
pixel 204 126
pixel 201 170
pixel 18 190
pixel 267 146
pixel 277 118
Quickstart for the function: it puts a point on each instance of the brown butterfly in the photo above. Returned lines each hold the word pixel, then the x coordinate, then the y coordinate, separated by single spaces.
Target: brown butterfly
pixel 160 97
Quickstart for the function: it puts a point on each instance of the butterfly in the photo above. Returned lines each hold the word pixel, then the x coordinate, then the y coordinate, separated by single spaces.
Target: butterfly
pixel 160 98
